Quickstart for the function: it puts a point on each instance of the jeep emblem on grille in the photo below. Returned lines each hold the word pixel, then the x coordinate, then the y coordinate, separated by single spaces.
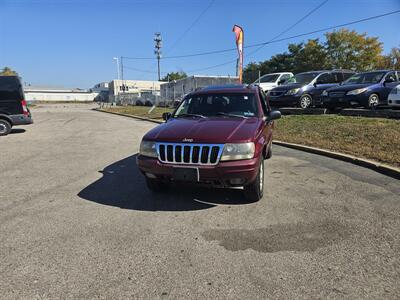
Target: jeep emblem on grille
pixel 187 140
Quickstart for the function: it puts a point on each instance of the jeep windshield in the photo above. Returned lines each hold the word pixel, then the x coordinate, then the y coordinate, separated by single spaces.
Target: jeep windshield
pixel 369 77
pixel 302 78
pixel 218 105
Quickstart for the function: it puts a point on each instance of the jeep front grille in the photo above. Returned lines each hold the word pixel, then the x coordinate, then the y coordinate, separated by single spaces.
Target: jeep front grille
pixel 181 153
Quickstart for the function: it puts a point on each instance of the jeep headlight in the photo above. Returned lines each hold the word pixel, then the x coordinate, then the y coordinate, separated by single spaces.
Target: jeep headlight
pixel 292 91
pixel 238 151
pixel 357 91
pixel 148 148
pixel 324 93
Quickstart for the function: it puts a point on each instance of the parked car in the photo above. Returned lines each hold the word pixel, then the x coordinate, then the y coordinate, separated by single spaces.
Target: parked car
pixel 13 107
pixel 269 81
pixel 367 89
pixel 218 136
pixel 304 89
pixel 394 97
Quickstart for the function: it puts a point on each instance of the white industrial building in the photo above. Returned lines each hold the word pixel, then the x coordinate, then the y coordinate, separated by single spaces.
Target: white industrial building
pixel 33 94
pixel 133 89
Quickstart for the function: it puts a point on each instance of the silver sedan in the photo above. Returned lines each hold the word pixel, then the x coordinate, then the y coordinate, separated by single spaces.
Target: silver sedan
pixel 394 97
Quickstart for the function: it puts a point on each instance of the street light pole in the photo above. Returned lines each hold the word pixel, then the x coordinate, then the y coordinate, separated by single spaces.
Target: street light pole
pixel 117 85
pixel 118 69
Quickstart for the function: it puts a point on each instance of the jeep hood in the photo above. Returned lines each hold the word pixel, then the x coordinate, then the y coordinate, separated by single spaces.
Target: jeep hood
pixel 210 130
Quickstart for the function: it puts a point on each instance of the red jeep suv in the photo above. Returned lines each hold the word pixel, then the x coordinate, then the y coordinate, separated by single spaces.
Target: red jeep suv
pixel 218 136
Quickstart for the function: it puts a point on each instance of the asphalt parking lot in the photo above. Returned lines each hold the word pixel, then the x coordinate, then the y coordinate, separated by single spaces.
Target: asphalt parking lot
pixel 77 221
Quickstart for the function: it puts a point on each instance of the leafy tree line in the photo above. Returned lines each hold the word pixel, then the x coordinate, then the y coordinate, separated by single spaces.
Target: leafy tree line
pixel 174 76
pixel 343 49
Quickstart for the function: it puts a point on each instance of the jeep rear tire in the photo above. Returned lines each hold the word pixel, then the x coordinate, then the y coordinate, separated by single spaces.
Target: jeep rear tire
pixel 255 190
pixel 156 185
pixel 5 127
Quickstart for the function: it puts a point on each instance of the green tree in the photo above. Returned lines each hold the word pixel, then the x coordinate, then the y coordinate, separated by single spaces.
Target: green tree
pixel 349 50
pixel 308 56
pixel 8 72
pixel 174 76
pixel 391 60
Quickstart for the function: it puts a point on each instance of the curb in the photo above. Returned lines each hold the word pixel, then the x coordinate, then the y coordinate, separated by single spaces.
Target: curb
pixel 128 116
pixel 370 164
pixel 366 163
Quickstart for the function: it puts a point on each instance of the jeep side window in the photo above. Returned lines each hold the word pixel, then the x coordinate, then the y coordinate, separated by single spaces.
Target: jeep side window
pixel 264 104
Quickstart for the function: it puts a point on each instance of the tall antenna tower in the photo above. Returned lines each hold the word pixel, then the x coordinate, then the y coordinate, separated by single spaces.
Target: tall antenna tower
pixel 157 51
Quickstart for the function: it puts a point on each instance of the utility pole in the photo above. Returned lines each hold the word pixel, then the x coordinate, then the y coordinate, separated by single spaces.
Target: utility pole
pixel 157 51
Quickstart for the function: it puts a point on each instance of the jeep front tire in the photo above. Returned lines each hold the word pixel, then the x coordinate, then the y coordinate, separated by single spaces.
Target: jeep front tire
pixel 255 190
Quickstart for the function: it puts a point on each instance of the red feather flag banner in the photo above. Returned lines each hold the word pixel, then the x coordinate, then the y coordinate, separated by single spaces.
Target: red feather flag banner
pixel 239 43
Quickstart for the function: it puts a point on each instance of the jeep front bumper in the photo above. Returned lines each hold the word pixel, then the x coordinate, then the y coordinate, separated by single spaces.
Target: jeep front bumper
pixel 224 174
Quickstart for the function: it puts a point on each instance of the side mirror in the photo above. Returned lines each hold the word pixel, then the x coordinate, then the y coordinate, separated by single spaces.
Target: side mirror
pixel 274 115
pixel 166 116
pixel 280 82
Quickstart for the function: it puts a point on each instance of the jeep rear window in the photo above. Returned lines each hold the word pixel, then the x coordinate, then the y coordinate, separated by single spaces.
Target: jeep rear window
pixel 10 88
pixel 215 104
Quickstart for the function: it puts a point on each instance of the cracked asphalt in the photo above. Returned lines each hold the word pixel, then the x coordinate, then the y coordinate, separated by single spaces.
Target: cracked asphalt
pixel 77 222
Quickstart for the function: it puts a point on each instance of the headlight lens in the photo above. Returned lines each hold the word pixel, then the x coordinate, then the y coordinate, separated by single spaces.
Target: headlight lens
pixel 292 91
pixel 238 151
pixel 324 93
pixel 148 148
pixel 357 91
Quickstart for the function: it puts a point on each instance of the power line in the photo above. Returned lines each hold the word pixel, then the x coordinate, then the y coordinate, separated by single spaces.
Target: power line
pixel 274 41
pixel 275 37
pixel 298 35
pixel 290 27
pixel 139 70
pixel 191 26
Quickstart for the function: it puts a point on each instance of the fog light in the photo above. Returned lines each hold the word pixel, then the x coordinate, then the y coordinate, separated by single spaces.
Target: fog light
pixel 236 181
pixel 149 175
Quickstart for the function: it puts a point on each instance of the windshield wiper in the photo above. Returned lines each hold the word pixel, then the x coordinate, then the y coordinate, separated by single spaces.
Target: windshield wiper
pixel 231 115
pixel 190 115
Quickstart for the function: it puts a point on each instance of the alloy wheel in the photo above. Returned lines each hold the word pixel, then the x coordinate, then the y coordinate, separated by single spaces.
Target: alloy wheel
pixel 3 128
pixel 305 102
pixel 373 100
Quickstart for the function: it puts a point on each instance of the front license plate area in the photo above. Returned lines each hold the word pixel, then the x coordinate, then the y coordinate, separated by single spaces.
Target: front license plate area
pixel 186 174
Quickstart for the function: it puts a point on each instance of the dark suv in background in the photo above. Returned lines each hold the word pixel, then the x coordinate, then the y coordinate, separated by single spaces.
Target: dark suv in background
pixel 367 89
pixel 304 89
pixel 13 107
